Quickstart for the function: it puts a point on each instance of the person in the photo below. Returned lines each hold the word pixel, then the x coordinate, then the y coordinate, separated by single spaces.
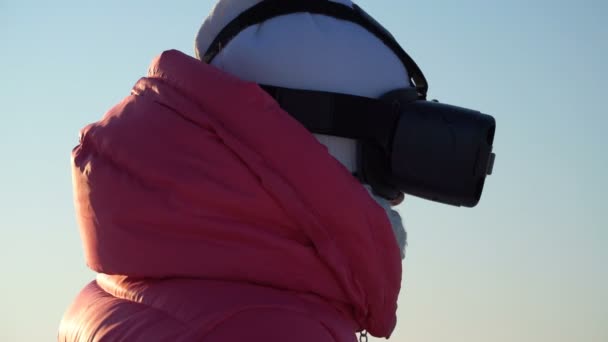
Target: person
pixel 210 214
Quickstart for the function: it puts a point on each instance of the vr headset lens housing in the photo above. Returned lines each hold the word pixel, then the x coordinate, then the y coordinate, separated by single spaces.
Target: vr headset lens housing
pixel 442 153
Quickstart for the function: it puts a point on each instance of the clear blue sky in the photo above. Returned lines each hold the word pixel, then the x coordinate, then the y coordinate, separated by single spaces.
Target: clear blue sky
pixel 528 264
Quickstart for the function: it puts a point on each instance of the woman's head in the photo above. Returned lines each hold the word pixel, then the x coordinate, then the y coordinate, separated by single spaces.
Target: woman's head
pixel 309 51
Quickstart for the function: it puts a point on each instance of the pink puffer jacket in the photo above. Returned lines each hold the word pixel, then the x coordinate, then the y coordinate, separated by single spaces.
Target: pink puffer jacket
pixel 212 215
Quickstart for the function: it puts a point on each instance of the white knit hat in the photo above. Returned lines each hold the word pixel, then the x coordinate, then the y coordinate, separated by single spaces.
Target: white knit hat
pixel 306 51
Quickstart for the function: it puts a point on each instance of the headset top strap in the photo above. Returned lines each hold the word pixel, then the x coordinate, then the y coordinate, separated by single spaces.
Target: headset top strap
pixel 273 8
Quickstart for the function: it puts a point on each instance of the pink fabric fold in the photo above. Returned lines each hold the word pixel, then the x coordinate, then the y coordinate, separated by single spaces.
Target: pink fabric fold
pixel 199 175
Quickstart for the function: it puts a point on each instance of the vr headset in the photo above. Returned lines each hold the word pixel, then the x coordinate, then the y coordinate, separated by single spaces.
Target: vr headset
pixel 406 144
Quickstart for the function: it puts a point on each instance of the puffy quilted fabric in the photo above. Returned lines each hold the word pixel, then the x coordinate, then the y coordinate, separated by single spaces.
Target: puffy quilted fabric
pixel 211 215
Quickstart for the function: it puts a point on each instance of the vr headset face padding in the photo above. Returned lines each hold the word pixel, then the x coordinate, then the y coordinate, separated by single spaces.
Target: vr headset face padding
pixel 374 169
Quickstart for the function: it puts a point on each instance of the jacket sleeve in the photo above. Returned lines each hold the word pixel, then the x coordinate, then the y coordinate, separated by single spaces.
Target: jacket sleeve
pixel 271 325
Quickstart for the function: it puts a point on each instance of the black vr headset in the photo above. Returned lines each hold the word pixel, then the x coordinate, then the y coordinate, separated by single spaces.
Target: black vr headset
pixel 406 144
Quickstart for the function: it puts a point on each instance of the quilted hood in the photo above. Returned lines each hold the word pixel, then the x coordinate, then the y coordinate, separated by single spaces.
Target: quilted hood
pixel 200 174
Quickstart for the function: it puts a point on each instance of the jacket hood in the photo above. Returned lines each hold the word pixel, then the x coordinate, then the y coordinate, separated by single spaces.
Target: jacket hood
pixel 199 174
